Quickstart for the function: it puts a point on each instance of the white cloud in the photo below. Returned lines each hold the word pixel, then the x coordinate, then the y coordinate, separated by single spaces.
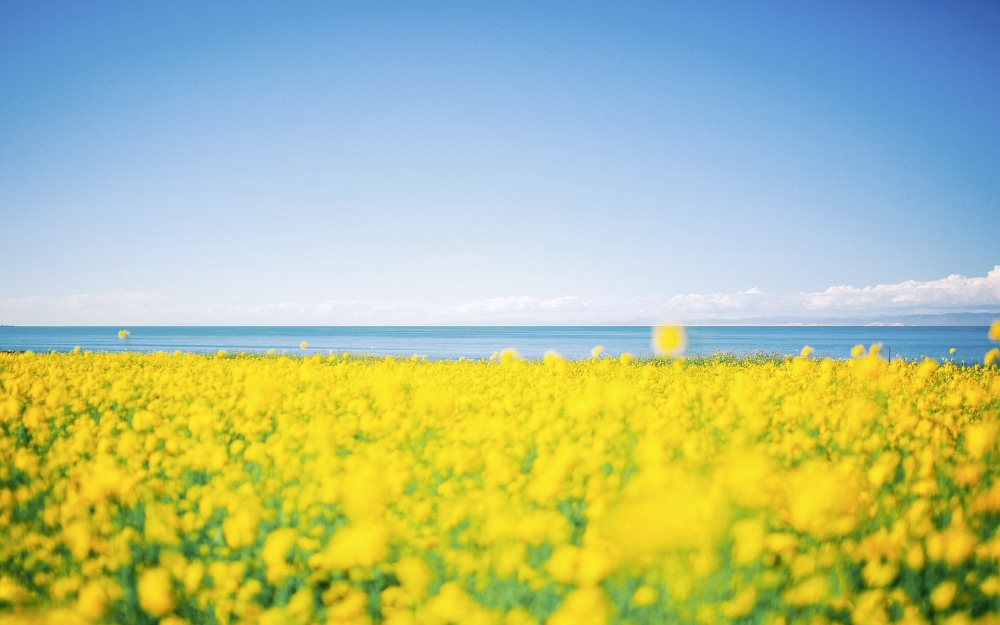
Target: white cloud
pixel 947 294
pixel 953 294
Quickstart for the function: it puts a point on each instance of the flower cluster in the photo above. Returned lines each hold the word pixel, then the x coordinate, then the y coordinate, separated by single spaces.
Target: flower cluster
pixel 271 489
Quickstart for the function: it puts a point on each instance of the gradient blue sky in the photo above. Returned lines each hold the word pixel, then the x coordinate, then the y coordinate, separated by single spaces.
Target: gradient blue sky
pixel 235 156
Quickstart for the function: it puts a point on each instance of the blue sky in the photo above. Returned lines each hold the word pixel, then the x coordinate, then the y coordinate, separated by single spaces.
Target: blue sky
pixel 281 162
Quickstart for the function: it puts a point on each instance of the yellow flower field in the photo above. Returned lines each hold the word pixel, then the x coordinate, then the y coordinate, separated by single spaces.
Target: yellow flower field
pixel 187 488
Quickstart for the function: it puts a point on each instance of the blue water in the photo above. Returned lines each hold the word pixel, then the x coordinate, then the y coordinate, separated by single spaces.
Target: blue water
pixel 970 342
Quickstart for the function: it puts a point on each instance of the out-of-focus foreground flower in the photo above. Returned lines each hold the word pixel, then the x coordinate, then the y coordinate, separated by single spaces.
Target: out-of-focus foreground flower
pixel 668 340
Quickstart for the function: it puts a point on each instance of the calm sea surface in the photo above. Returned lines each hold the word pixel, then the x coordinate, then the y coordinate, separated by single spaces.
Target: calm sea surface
pixel 970 342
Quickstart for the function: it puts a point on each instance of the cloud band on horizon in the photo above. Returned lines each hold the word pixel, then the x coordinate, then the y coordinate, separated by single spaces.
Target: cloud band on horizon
pixel 950 295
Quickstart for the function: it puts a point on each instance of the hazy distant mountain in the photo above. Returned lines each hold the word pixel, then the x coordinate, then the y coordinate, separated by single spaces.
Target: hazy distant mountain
pixel 943 319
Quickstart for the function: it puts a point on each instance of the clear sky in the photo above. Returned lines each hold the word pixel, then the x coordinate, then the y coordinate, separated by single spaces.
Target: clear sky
pixel 196 162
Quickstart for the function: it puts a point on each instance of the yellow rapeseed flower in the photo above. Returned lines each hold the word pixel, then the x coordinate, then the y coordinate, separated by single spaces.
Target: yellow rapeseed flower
pixel 668 340
pixel 991 356
pixel 92 601
pixel 12 592
pixel 811 591
pixel 740 605
pixel 275 554
pixel 943 594
pixel 583 606
pixel 644 595
pixel 508 356
pixel 155 594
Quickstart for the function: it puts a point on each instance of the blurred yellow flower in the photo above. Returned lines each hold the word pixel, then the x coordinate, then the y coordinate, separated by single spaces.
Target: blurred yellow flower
pixel 668 340
pixel 740 605
pixel 92 601
pixel 943 594
pixel 583 606
pixel 991 356
pixel 508 356
pixel 275 554
pixel 123 333
pixel 550 358
pixel 811 591
pixel 644 595
pixel 13 593
pixel 155 595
